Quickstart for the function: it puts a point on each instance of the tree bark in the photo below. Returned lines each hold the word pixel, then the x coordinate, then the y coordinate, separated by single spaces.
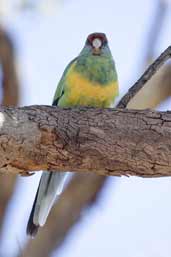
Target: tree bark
pixel 106 142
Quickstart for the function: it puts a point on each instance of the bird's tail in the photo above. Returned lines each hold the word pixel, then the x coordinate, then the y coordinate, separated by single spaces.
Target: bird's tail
pixel 51 185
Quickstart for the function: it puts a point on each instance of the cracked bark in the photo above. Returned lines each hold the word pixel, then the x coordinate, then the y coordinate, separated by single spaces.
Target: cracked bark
pixel 106 142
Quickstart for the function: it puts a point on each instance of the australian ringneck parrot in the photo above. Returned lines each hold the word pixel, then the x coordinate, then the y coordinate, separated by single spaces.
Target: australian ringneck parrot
pixel 88 80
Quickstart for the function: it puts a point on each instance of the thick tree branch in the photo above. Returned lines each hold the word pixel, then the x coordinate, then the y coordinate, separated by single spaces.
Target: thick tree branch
pixel 108 142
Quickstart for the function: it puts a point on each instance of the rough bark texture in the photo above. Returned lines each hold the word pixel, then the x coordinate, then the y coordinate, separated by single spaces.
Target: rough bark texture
pixel 105 142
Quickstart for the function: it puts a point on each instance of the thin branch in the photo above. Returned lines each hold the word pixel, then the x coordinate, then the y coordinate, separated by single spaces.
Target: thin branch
pixel 148 74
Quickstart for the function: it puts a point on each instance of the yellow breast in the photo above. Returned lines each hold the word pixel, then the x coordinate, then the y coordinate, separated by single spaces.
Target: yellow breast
pixel 85 92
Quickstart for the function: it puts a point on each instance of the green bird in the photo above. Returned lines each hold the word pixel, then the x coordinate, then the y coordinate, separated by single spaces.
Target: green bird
pixel 88 80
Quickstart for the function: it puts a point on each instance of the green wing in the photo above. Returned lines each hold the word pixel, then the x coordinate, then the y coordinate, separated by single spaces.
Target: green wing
pixel 60 88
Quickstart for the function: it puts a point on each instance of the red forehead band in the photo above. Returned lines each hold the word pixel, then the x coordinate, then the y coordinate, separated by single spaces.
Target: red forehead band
pixel 100 36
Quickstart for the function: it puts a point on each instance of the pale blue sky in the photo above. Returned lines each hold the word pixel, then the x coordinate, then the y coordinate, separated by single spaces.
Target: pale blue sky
pixel 133 217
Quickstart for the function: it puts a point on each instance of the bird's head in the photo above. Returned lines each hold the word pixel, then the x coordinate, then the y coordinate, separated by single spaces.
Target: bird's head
pixel 96 44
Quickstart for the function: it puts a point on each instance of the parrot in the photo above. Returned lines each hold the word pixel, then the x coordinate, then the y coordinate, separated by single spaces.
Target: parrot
pixel 89 80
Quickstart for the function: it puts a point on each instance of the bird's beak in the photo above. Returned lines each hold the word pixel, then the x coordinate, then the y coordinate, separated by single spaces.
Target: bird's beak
pixel 96 51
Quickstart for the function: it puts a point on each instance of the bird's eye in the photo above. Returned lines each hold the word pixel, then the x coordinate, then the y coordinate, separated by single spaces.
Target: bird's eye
pixel 97 43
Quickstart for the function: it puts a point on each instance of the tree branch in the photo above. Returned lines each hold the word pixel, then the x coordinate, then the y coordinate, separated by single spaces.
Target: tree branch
pixel 128 100
pixel 106 142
